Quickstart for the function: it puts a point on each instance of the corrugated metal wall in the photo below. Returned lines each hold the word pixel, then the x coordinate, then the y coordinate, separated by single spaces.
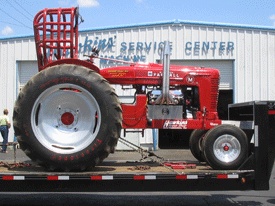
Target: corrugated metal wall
pixel 12 51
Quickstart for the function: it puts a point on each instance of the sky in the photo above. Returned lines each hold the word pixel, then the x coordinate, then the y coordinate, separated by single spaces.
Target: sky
pixel 16 16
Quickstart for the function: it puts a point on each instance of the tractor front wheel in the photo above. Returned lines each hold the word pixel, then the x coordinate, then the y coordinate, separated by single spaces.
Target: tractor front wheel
pixel 225 147
pixel 195 144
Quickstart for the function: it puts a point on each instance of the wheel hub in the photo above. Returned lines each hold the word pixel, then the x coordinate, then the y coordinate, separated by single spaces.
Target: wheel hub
pixel 227 148
pixel 67 119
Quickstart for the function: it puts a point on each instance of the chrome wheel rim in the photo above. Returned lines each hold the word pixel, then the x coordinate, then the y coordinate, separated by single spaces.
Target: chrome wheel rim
pixel 227 148
pixel 65 118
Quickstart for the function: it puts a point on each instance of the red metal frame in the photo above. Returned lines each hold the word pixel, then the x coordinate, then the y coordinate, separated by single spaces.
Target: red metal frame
pixel 135 116
pixel 56 35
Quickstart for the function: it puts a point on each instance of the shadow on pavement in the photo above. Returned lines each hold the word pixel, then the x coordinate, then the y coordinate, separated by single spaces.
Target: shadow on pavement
pixel 138 199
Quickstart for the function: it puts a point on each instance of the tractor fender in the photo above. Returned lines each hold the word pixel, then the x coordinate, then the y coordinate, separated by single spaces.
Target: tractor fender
pixel 78 62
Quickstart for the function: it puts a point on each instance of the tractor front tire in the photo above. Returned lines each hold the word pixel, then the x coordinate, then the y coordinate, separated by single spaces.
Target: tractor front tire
pixel 225 147
pixel 195 144
pixel 67 117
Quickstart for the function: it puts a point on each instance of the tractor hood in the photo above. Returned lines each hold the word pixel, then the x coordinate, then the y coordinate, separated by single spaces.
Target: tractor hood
pixel 151 74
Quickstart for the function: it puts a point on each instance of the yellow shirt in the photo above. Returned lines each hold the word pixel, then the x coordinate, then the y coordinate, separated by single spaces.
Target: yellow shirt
pixel 4 119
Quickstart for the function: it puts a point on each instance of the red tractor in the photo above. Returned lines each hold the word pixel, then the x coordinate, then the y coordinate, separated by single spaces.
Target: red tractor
pixel 68 116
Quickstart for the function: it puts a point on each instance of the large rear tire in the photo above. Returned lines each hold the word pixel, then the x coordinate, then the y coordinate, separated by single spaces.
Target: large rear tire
pixel 225 147
pixel 67 117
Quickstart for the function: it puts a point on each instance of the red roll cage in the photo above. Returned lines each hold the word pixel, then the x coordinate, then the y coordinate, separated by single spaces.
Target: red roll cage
pixel 56 35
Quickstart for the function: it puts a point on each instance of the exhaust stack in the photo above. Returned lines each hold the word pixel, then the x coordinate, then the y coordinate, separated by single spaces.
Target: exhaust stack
pixel 165 97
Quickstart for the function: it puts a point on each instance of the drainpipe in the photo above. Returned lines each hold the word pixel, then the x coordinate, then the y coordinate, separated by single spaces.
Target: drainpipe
pixel 155 139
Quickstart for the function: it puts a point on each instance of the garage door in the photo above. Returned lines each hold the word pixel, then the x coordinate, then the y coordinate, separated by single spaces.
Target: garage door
pixel 26 69
pixel 224 66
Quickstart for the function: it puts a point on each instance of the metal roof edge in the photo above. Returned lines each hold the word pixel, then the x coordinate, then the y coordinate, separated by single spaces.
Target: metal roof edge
pixel 16 37
pixel 175 21
pixel 219 24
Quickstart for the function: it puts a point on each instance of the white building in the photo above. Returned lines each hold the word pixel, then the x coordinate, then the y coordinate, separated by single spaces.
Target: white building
pixel 244 54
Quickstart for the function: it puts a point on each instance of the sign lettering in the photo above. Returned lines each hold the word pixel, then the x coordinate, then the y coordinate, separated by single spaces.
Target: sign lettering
pixel 138 51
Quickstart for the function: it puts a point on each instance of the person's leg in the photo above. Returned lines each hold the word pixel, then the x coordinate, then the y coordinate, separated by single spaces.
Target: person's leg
pixel 3 135
pixel 5 138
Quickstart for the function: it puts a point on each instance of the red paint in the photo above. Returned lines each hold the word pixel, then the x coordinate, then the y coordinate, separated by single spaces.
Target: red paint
pixel 135 116
pixel 52 177
pixel 178 167
pixel 181 177
pixel 8 177
pixel 222 176
pixel 226 148
pixel 68 89
pixel 44 26
pixel 96 177
pixel 139 177
pixel 67 118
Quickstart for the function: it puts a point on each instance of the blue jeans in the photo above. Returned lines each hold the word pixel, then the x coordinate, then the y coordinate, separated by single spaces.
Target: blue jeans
pixel 4 132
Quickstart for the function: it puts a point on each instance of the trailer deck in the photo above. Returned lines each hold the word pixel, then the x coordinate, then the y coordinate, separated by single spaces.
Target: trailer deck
pixel 115 167
pixel 130 175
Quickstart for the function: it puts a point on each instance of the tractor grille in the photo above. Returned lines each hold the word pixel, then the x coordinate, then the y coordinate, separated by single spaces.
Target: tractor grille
pixel 214 93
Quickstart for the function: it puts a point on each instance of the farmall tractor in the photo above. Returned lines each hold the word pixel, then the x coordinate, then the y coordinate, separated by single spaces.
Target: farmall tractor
pixel 68 116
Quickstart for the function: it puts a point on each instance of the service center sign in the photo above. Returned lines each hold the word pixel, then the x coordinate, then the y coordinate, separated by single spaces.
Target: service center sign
pixel 137 51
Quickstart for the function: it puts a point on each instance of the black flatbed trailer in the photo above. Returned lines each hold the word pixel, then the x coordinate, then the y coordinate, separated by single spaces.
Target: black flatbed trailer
pixel 256 118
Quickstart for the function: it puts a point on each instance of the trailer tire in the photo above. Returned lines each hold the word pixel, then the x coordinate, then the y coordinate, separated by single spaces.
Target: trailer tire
pixel 225 147
pixel 67 117
pixel 195 144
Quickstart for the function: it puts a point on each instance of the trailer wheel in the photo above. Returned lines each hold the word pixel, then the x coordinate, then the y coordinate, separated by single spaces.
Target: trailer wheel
pixel 67 117
pixel 225 147
pixel 195 144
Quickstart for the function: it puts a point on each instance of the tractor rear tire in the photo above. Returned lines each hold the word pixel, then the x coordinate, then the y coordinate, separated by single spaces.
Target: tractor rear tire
pixel 67 118
pixel 195 144
pixel 225 147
